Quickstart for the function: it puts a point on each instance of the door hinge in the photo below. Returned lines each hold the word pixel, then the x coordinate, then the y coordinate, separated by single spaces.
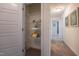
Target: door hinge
pixel 22 29
pixel 23 9
pixel 23 50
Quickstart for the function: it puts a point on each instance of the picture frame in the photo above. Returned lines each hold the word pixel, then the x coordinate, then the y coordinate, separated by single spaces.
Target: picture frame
pixel 67 21
pixel 74 18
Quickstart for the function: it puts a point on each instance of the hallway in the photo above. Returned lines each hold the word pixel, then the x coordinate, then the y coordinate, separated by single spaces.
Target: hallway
pixel 59 48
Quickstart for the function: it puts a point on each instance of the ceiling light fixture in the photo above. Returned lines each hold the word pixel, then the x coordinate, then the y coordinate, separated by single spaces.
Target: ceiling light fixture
pixel 13 4
pixel 56 10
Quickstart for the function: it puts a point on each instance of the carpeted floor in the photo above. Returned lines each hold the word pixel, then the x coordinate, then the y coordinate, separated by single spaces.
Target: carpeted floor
pixel 33 52
pixel 59 48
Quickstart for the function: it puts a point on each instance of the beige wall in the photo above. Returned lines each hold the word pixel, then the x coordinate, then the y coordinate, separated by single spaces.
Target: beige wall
pixel 71 34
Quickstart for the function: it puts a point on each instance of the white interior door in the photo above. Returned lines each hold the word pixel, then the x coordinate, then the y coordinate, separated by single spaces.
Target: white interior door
pixel 10 29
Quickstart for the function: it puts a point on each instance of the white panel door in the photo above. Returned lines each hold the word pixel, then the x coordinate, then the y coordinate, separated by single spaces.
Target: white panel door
pixel 10 29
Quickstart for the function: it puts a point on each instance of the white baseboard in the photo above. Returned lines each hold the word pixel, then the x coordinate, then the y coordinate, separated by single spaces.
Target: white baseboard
pixel 71 48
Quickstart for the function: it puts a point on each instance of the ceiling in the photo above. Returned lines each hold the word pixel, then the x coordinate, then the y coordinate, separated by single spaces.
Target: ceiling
pixel 58 8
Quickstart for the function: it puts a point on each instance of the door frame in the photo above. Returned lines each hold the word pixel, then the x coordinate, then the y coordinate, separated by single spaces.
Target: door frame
pixel 23 29
pixel 45 30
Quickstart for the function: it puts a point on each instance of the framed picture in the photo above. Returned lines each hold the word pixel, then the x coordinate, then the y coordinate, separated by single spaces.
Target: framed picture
pixel 74 18
pixel 67 21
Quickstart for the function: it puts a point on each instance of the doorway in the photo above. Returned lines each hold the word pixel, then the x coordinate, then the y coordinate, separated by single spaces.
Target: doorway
pixel 55 28
pixel 32 29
